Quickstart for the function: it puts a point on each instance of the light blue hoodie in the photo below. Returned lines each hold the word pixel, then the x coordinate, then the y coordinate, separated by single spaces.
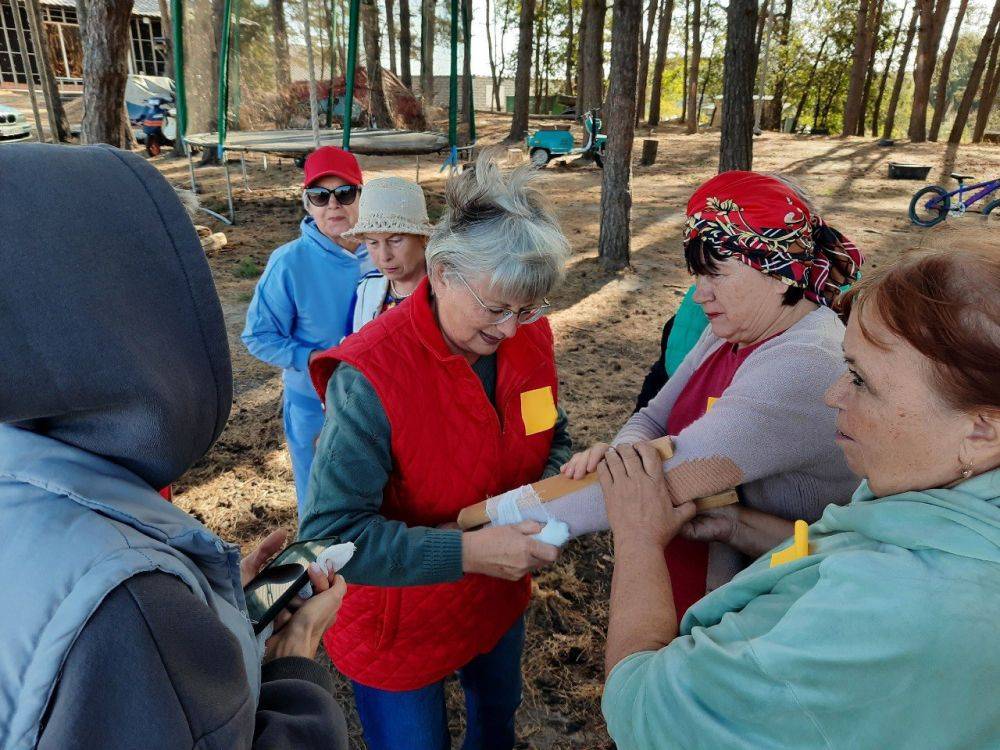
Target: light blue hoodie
pixel 303 301
pixel 884 637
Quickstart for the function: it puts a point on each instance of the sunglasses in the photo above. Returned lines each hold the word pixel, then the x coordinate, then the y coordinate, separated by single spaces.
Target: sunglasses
pixel 345 195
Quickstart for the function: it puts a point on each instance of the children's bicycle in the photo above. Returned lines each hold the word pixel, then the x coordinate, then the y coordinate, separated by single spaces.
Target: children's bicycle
pixel 933 204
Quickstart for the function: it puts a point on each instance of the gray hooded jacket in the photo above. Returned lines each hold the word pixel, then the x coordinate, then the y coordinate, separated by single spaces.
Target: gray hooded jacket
pixel 123 619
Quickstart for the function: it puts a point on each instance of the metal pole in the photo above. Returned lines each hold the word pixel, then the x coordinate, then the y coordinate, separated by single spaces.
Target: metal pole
pixel 177 28
pixel 243 166
pixel 223 110
pixel 313 105
pixel 229 193
pixel 352 60
pixel 29 77
pixel 187 150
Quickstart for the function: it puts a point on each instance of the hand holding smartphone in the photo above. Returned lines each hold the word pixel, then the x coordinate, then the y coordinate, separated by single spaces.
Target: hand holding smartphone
pixel 274 588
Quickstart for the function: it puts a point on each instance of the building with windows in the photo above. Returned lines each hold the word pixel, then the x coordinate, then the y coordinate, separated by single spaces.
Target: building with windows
pixel 62 35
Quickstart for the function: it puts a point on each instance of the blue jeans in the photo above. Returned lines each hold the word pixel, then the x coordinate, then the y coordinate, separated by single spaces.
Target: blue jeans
pixel 418 719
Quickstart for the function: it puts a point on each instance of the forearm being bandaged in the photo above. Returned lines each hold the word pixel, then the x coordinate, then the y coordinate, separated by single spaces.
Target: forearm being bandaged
pixel 580 503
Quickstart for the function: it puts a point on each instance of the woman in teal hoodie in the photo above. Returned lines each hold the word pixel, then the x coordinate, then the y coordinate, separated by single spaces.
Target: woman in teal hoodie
pixel 876 627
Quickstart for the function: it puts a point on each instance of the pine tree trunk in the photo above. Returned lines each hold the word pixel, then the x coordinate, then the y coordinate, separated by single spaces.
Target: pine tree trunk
pixel 58 123
pixel 377 106
pixel 390 21
pixel 687 59
pixel 643 79
pixel 809 83
pixel 859 58
pixel 105 38
pixel 427 23
pixel 522 78
pixel 940 97
pixel 467 102
pixel 405 44
pixel 990 85
pixel 547 54
pixel 282 63
pixel 932 17
pixel 870 68
pixel 662 39
pixel 693 113
pixel 537 104
pixel 739 72
pixel 834 93
pixel 592 53
pixel 897 86
pixel 569 48
pixel 975 77
pixel 616 189
pixel 495 102
pixel 585 8
pixel 772 112
pixel 877 108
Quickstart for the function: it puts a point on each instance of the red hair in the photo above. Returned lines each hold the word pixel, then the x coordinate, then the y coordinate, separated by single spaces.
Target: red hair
pixel 946 305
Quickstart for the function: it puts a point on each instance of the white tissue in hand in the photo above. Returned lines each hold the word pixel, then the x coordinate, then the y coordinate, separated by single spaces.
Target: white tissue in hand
pixel 332 559
pixel 336 557
pixel 554 532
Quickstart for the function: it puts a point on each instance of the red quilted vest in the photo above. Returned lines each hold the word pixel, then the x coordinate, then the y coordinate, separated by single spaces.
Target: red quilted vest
pixel 449 450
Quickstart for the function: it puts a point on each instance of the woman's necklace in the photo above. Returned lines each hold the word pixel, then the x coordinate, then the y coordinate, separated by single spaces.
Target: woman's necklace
pixel 396 295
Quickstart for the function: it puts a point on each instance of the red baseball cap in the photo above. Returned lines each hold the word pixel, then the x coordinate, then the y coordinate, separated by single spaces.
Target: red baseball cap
pixel 330 160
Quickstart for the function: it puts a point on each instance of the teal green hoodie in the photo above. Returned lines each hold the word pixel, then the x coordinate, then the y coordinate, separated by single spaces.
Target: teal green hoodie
pixel 885 636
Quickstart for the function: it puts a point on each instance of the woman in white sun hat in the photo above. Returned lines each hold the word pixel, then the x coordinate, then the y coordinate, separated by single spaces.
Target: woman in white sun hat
pixel 393 223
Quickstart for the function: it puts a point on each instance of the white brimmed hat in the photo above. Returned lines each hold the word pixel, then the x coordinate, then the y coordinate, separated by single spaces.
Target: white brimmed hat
pixel 391 204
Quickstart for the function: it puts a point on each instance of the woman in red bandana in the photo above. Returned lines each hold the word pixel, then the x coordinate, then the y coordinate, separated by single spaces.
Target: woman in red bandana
pixel 746 405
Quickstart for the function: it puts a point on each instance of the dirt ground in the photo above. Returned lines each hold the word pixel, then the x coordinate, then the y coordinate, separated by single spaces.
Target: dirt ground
pixel 607 329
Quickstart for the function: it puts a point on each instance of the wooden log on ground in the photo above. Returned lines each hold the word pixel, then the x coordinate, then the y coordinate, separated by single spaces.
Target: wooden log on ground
pixel 991 137
pixel 514 156
pixel 213 242
pixel 649 146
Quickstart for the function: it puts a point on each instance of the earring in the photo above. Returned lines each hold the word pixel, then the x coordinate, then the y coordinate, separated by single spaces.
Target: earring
pixel 966 470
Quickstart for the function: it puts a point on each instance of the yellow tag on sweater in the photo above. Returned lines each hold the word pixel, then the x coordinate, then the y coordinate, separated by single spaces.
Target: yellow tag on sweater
pixel 538 410
pixel 710 404
pixel 799 548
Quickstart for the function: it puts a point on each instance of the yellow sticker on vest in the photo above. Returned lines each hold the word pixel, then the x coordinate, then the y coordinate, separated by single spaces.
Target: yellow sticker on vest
pixel 538 410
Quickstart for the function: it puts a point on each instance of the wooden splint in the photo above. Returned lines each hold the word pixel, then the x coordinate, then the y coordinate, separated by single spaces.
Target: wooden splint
pixel 560 486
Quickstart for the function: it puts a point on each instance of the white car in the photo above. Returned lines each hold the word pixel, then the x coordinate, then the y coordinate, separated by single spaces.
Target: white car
pixel 13 124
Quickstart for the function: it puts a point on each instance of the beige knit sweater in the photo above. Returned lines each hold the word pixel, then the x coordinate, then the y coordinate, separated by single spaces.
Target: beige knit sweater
pixel 769 432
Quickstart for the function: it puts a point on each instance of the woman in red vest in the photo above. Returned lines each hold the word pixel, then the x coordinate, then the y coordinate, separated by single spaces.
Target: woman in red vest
pixel 443 401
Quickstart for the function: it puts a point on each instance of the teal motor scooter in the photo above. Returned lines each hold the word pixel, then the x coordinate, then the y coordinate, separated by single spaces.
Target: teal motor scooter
pixel 556 142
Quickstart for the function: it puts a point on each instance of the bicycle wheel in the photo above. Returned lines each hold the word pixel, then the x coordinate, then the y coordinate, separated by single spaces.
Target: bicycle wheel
pixel 929 206
pixel 991 214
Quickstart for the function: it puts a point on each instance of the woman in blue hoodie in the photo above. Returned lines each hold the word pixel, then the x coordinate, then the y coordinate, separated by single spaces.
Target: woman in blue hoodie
pixel 304 300
pixel 876 627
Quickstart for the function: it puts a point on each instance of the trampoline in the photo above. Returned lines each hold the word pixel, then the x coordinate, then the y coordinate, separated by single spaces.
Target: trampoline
pixel 301 142
pixel 288 142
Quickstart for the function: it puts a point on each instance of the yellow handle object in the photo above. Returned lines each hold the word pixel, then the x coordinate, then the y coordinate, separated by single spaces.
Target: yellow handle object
pixel 799 548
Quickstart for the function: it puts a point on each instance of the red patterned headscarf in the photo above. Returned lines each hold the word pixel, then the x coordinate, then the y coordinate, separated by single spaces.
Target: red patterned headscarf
pixel 762 221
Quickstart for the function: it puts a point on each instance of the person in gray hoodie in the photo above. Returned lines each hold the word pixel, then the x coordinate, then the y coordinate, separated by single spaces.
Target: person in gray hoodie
pixel 122 619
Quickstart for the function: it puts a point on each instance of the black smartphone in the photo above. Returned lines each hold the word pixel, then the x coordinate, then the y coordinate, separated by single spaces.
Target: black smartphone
pixel 277 584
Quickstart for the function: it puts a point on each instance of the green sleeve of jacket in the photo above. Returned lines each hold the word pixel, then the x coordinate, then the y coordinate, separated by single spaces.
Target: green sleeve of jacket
pixel 562 446
pixel 352 466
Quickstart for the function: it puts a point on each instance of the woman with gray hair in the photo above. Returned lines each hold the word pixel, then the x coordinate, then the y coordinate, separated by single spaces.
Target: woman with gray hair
pixel 440 402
